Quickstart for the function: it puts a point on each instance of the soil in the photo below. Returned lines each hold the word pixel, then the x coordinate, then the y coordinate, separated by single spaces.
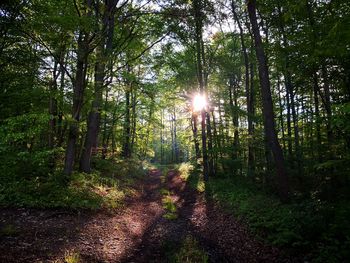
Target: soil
pixel 138 232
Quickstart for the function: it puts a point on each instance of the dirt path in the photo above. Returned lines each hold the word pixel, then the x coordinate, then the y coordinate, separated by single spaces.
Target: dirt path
pixel 137 233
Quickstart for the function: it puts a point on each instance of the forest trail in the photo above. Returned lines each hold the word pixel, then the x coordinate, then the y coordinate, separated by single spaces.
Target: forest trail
pixel 140 232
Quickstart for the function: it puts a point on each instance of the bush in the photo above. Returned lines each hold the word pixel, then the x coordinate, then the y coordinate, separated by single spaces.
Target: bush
pixel 317 229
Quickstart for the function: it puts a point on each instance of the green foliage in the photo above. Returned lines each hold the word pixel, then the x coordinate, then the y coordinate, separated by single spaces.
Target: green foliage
pixel 190 252
pixel 72 257
pixel 168 204
pixel 106 188
pixel 185 170
pixel 8 230
pixel 317 228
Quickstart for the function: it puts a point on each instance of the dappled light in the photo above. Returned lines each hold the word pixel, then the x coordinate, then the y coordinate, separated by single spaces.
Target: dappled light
pixel 174 131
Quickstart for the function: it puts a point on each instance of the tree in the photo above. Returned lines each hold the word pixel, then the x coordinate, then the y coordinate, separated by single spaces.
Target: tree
pixel 269 121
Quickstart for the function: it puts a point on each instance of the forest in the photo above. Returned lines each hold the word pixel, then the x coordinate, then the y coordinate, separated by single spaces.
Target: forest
pixel 174 131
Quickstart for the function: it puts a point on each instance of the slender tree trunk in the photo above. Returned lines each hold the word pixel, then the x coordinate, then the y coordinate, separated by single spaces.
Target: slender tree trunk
pixel 94 119
pixel 210 147
pixel 269 121
pixel 197 6
pixel 61 128
pixel 327 105
pixel 248 90
pixel 289 126
pixel 217 147
pixel 317 117
pixel 104 135
pixel 161 137
pixel 281 113
pixel 127 124
pixel 78 95
pixel 53 107
pixel 133 111
pixel 251 113
pixel 290 96
pixel 194 121
pixel 234 118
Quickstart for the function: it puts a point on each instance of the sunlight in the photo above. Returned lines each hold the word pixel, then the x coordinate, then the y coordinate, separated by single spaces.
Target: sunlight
pixel 199 102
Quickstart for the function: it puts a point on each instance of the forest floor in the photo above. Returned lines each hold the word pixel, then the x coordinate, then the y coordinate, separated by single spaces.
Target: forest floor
pixel 164 221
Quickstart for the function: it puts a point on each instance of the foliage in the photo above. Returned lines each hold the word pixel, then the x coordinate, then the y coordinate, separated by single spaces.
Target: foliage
pixel 190 252
pixel 72 257
pixel 8 230
pixel 105 188
pixel 317 228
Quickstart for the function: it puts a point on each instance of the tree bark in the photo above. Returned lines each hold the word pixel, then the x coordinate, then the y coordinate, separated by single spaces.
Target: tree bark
pixel 197 6
pixel 269 121
pixel 78 95
pixel 127 124
pixel 104 48
pixel 194 121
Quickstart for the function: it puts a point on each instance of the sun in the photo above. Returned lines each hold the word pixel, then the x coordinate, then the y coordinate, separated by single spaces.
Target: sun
pixel 199 102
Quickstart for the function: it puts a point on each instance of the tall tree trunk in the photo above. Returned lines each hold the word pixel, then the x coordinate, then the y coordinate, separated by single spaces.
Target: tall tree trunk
pixel 61 128
pixel 290 94
pixel 327 105
pixel 317 117
pixel 53 107
pixel 217 143
pixel 78 95
pixel 269 121
pixel 281 113
pixel 247 90
pixel 234 114
pixel 211 167
pixel 104 135
pixel 104 48
pixel 251 113
pixel 94 115
pixel 133 111
pixel 127 124
pixel 194 121
pixel 197 6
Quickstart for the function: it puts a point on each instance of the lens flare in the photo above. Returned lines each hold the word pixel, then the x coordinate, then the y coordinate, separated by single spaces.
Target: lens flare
pixel 199 102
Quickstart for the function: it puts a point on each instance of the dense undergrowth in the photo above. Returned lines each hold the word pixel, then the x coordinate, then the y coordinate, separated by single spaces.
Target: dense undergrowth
pixel 105 187
pixel 316 229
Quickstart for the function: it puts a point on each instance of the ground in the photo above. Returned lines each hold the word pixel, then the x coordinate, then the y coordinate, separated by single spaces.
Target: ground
pixel 165 221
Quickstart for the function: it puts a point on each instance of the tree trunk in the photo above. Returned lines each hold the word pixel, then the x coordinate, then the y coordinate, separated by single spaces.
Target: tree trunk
pixel 248 90
pixel 197 6
pixel 251 112
pixel 53 107
pixel 61 127
pixel 127 124
pixel 94 119
pixel 211 169
pixel 317 116
pixel 78 95
pixel 194 121
pixel 328 108
pixel 133 111
pixel 269 121
pixel 94 115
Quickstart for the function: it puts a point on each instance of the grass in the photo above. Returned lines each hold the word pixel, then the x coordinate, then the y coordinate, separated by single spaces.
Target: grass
pixel 105 187
pixel 72 257
pixel 192 175
pixel 186 250
pixel 170 207
pixel 167 202
pixel 8 230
